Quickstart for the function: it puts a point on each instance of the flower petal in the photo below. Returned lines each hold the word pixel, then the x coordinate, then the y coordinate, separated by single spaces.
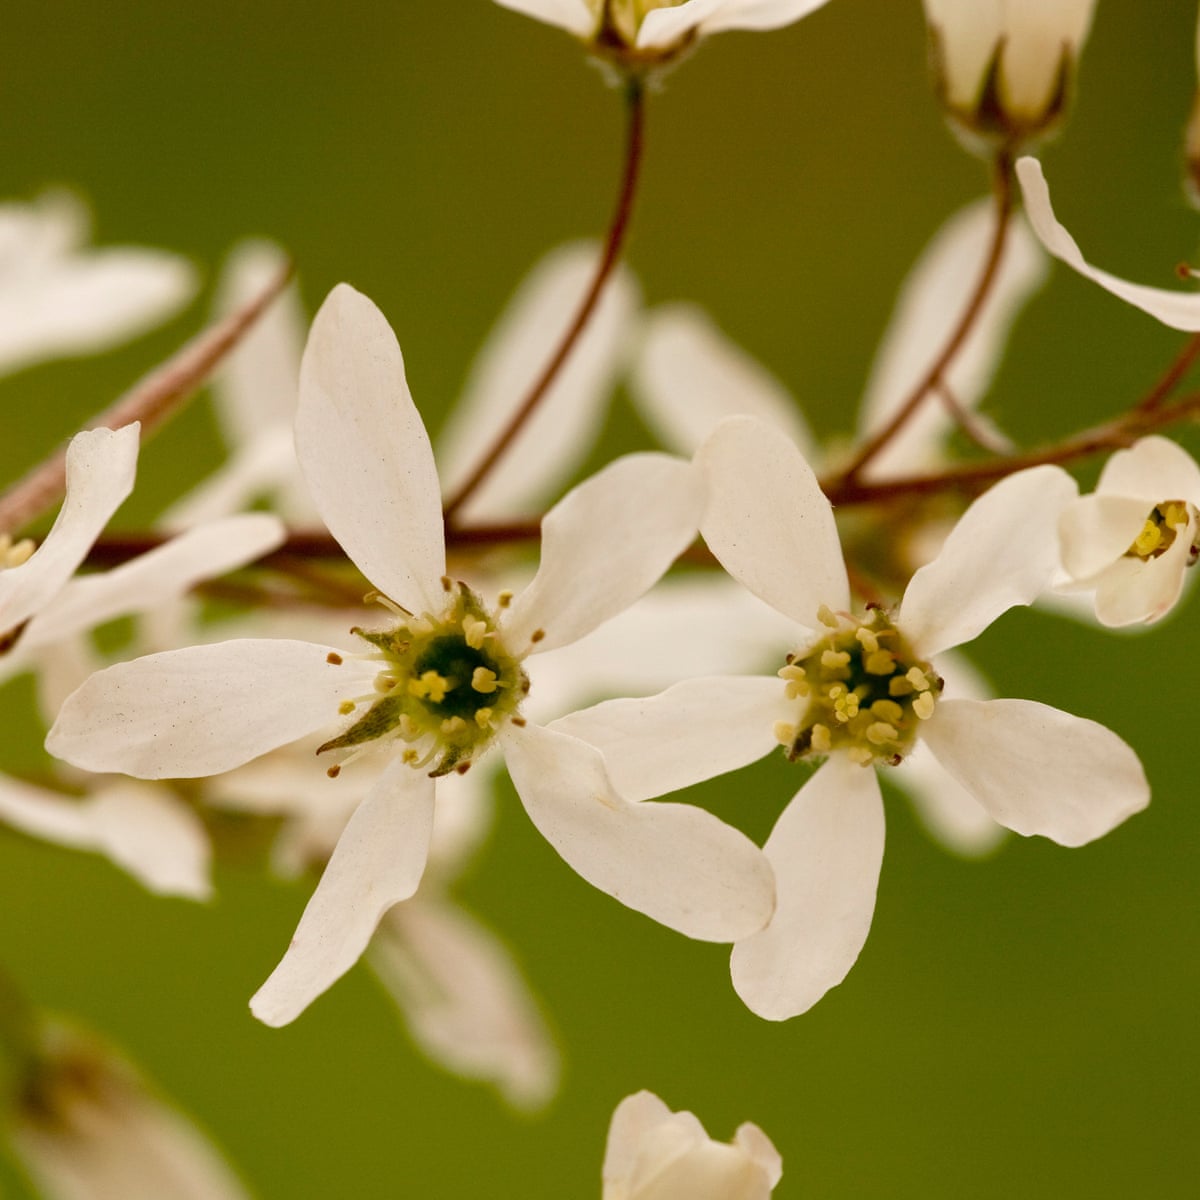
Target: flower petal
pixel 377 862
pixel 768 521
pixel 664 26
pixel 99 469
pixel 1039 770
pixel 1131 590
pixel 678 864
pixel 826 849
pixel 1002 553
pixel 691 732
pixel 1153 469
pixel 1094 531
pixel 688 376
pixel 606 543
pixel 156 577
pixel 204 709
pixel 566 422
pixel 1179 310
pixel 365 454
pixel 933 296
pixel 464 1000
pixel 575 16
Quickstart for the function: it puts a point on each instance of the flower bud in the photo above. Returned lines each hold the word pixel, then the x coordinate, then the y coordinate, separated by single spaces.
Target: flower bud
pixel 1005 68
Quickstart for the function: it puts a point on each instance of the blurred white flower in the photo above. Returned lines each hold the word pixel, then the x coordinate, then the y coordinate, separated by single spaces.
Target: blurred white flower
pixel 60 298
pixel 1005 68
pixel 439 687
pixel 653 30
pixel 656 1154
pixel 859 691
pixel 87 1126
pixel 1179 310
pixel 1133 539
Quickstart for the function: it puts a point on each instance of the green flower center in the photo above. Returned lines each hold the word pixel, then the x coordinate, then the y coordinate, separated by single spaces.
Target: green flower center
pixel 446 684
pixel 861 690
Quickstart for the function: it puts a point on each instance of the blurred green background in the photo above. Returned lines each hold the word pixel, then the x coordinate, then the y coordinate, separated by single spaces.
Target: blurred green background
pixel 1025 1026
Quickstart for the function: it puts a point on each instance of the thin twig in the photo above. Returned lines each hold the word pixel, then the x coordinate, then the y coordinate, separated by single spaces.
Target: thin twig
pixel 613 243
pixel 1003 194
pixel 1172 376
pixel 158 396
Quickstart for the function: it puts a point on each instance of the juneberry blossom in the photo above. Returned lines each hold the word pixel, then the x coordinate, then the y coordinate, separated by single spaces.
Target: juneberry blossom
pixel 1178 310
pixel 656 1154
pixel 859 690
pixel 1132 540
pixel 657 30
pixel 434 688
pixel 1005 68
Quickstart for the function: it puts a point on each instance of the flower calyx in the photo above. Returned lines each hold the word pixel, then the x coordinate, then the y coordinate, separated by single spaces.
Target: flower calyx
pixel 861 690
pixel 445 685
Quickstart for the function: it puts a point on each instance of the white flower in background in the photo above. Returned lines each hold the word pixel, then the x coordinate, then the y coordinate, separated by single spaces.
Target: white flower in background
pixel 1179 310
pixel 858 691
pixel 435 689
pixel 1005 68
pixel 44 608
pixel 1192 137
pixel 688 376
pixel 87 1126
pixel 1133 539
pixel 455 984
pixel 653 30
pixel 60 298
pixel 656 1154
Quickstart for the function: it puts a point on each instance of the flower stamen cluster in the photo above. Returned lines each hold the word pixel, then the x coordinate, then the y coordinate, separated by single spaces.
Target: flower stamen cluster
pixel 1158 533
pixel 863 690
pixel 446 684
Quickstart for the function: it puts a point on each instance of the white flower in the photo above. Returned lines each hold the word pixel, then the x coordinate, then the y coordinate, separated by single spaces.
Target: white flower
pixel 656 29
pixel 1135 536
pixel 1005 67
pixel 1179 310
pixel 439 686
pixel 90 1128
pixel 656 1154
pixel 860 691
pixel 58 298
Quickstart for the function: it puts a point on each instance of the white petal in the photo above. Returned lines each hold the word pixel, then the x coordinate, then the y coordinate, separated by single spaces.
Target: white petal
pixel 144 830
pixel 194 712
pixel 934 295
pixel 566 422
pixel 1179 310
pixel 378 862
pixel 1131 590
pixel 664 26
pixel 156 577
pixel 826 849
pixel 257 385
pixel 768 521
pixel 464 999
pixel 1094 531
pixel 1153 469
pixel 606 543
pixel 1002 553
pixel 677 864
pixel 661 28
pixel 365 453
pixel 691 732
pixel 632 1120
pixel 575 16
pixel 99 472
pixel 688 376
pixel 1039 770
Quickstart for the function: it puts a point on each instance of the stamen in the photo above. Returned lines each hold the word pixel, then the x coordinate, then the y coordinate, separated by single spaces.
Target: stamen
pixel 484 681
pixel 785 732
pixel 334 660
pixel 924 705
pixel 474 631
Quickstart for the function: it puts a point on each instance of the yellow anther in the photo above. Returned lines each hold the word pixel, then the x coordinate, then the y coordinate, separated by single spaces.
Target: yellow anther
pixel 1175 513
pixel 410 756
pixel 484 681
pixel 867 640
pixel 888 710
pixel 474 632
pixel 785 732
pixel 918 679
pixel 504 599
pixel 845 707
pixel 880 733
pixel 430 686
pixel 832 659
pixel 821 739
pixel 791 671
pixel 1149 540
pixel 827 616
pixel 923 705
pixel 900 685
pixel 881 662
pixel 453 725
pixel 346 707
pixel 13 554
pixel 860 755
pixel 794 677
pixel 483 718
